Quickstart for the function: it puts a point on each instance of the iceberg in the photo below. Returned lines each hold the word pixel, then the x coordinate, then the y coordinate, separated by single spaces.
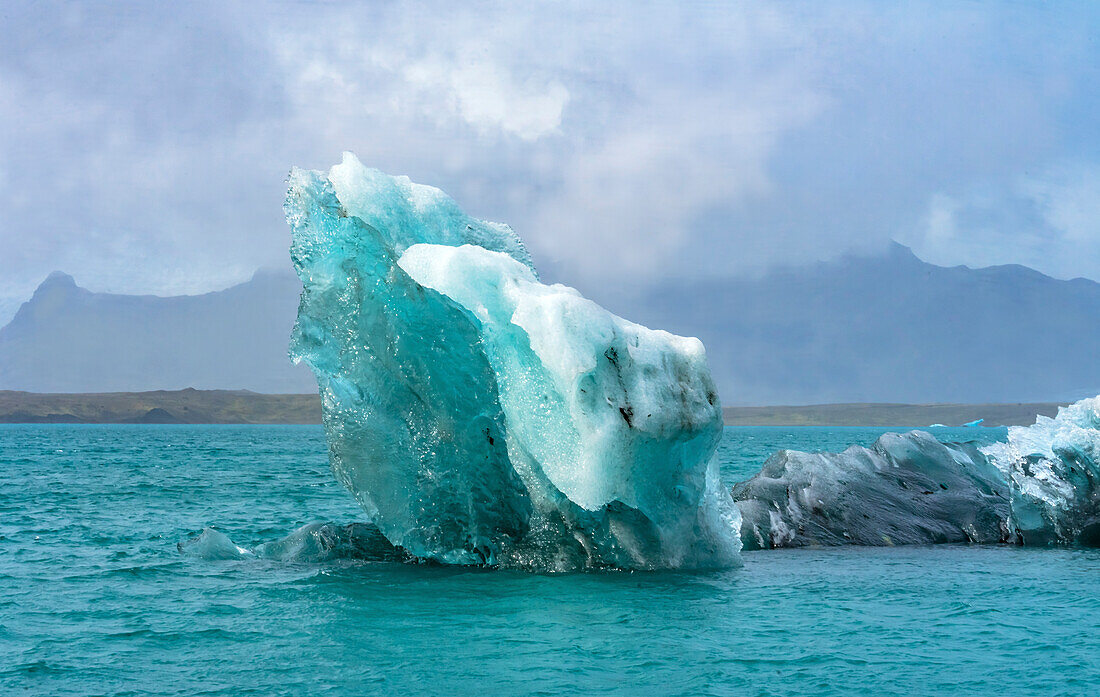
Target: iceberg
pixel 311 543
pixel 481 417
pixel 212 545
pixel 1053 468
pixel 1041 486
pixel 905 489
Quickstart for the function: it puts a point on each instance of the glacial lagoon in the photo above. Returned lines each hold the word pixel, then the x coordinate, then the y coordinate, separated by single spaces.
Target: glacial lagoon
pixel 99 599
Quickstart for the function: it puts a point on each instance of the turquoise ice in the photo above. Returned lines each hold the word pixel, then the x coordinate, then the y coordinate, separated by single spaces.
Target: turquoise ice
pixel 481 417
pixel 1053 467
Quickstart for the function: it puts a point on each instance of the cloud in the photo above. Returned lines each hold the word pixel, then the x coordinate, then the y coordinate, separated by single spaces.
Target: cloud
pixel 1069 199
pixel 628 197
pixel 488 97
pixel 127 148
pixel 567 124
pixel 143 147
pixel 1049 221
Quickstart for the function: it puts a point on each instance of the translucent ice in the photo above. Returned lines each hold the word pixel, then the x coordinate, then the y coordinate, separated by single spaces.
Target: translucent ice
pixel 905 489
pixel 481 417
pixel 312 543
pixel 211 544
pixel 1054 470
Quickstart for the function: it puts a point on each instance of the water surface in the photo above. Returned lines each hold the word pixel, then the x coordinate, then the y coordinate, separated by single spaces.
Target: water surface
pixel 96 599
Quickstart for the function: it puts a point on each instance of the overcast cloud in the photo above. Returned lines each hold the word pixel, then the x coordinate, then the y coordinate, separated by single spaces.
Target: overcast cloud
pixel 143 146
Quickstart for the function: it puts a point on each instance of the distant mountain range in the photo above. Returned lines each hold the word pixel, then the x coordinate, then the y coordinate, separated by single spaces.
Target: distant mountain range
pixel 68 339
pixel 890 328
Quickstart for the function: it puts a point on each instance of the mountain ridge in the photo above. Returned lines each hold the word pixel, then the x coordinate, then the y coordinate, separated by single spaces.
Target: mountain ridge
pixel 866 329
pixel 890 328
pixel 69 339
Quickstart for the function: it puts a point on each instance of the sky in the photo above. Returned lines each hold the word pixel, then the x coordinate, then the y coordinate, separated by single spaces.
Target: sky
pixel 144 146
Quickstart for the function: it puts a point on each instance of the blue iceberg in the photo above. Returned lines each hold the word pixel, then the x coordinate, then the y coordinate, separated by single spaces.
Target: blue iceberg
pixel 482 417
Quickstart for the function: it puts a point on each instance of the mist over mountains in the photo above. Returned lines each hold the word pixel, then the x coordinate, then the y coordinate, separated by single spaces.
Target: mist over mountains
pixel 862 329
pixel 891 328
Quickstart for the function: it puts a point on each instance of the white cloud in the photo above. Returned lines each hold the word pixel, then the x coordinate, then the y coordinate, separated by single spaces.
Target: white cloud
pixel 623 141
pixel 1069 198
pixel 1049 221
pixel 608 134
pixel 371 68
pixel 940 226
pixel 489 97
pixel 630 200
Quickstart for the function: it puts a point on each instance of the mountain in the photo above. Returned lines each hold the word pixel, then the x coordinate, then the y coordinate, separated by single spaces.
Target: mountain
pixel 890 328
pixel 68 339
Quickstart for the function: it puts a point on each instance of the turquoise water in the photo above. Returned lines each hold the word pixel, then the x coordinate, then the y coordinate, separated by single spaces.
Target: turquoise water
pixel 96 599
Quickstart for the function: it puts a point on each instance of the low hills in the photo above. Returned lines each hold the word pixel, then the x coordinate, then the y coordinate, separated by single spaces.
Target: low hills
pixel 191 406
pixel 187 406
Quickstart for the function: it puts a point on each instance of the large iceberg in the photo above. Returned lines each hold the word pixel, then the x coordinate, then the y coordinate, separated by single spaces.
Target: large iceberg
pixel 482 417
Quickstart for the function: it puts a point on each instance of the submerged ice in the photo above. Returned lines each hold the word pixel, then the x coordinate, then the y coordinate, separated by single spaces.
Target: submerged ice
pixel 480 416
pixel 1041 486
pixel 312 543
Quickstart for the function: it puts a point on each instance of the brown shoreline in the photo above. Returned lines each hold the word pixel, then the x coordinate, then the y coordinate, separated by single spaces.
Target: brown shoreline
pixel 192 406
pixel 891 415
